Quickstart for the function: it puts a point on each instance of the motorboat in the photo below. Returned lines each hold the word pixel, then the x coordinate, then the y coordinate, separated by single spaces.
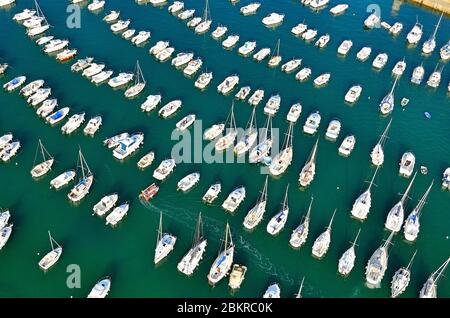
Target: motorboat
pixel 128 146
pixel 66 55
pixel 14 83
pixel 446 179
pixel 247 48
pixel 364 53
pixel 194 22
pixel 237 276
pixel 93 125
pixel 230 41
pixel 185 122
pixel 96 5
pixel 73 123
pixel 213 132
pixel 407 164
pixel 203 80
pixel 111 16
pixel 9 151
pixel 146 160
pixel 165 54
pixel 418 74
pixel 273 291
pixel 399 68
pixel 158 47
pixel 44 40
pixel 318 4
pixel 151 102
pixel 101 289
pixel 228 84
pixel 186 14
pixel 164 169
pixel 92 70
pixel 113 141
pixel 291 65
pixel 189 181
pixel 380 61
pixel 309 35
pixel 272 105
pixel 193 67
pixel 251 8
pixel 372 21
pixel 128 34
pixel 55 46
pixel 256 97
pixel 63 179
pixel 353 94
pixel 294 113
pixel 303 74
pixel 347 145
pixel 5 139
pixel 149 193
pixel 323 41
pixel 299 29
pixel 120 26
pixel 31 88
pixel 170 108
pixel 243 92
pixel 24 15
pixel 345 47
pixel 273 19
pixel 234 199
pixel 182 59
pixel 117 214
pixel 338 9
pixel 4 218
pixel 396 28
pixel 415 34
pixel 141 38
pixel 120 80
pixel 101 77
pixel 322 79
pixel 176 6
pixel 38 97
pixel 333 130
pixel 212 193
pixel 312 123
pixel 219 32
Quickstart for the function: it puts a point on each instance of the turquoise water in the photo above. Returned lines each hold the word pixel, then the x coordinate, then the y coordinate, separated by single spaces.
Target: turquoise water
pixel 126 252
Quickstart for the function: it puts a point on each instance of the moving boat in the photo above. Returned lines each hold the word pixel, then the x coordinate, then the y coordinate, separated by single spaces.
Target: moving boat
pixel 291 65
pixel 273 19
pixel 230 41
pixel 430 44
pixel 52 257
pixel 73 123
pixel 213 192
pixel 38 97
pixel 243 92
pixel 105 204
pixel 347 260
pixel 206 21
pixel 31 88
pixel 57 116
pixel 237 276
pixel 14 83
pixel 387 103
pixel 247 48
pixel 191 260
pixel 399 68
pixel 139 83
pixel 164 169
pixel 283 159
pixel 93 126
pixel 435 78
pixel 222 264
pixel 151 102
pixel 188 181
pixel 361 207
pixel 256 214
pixel 309 170
pixel 429 289
pixel 203 80
pixel 120 80
pixel 128 146
pixel 148 193
pixel 219 32
pixel 275 59
pixel 299 29
pixel 407 164
pixel 338 9
pixel 312 123
pixel 378 263
pixel 176 7
pixel 146 160
pixel 415 34
pixel 372 21
pixel 5 234
pixel 272 105
pixel 333 130
pixel 364 53
pixel 81 189
pixel 113 142
pixel 380 61
pixel 345 46
pixel 396 28
pixel 278 221
pixel 63 179
pixel 250 8
pixel 101 289
pixel 377 154
pixel 303 74
pixel 213 132
pixel 117 214
pixel 45 166
pixel 401 279
pixel 170 108
pixel 158 47
pixel 294 113
pixel 193 66
pixel 323 41
pixel 228 84
pixel 227 141
pixel 256 97
pixel 322 243
pixel 412 223
pixel 262 150
pixel 112 16
pixel 395 217
pixel 418 74
pixel 273 291
pixel 234 199
pixel 322 79
pixel 249 137
pixel 120 26
pixel 300 234
pixel 353 94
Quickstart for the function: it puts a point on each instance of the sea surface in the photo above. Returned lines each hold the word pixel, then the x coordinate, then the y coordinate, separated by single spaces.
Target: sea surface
pixel 126 252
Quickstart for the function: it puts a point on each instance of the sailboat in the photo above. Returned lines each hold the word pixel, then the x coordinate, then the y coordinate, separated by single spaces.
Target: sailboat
pixel 299 293
pixel 401 279
pixel 165 243
pixel 139 83
pixel 45 166
pixel 430 44
pixel 322 243
pixel 309 170
pixel 275 59
pixel 412 223
pixel 300 234
pixel 429 289
pixel 361 207
pixel 255 215
pixel 276 224
pixel 226 141
pixel 44 24
pixel 395 216
pixel 262 150
pixel 81 189
pixel 204 26
pixel 222 264
pixel 377 153
pixel 347 260
pixel 378 262
pixel 387 103
pixel 190 261
pixel 284 158
pixel 248 139
pixel 51 257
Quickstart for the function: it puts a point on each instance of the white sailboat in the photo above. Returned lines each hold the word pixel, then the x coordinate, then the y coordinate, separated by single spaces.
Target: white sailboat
pixel 249 137
pixel 378 262
pixel 299 293
pixel 347 260
pixel 412 223
pixel 256 214
pixel 262 150
pixel 401 279
pixel 139 83
pixel 227 141
pixel 278 221
pixel 395 216
pixel 361 207
pixel 275 59
pixel 190 261
pixel 44 26
pixel 322 243
pixel 429 289
pixel 309 170
pixel 206 21
pixel 300 234
pixel 81 189
pixel 51 257
pixel 45 166
pixel 387 103
pixel 284 158
pixel 222 264
pixel 165 243
pixel 430 44
pixel 377 154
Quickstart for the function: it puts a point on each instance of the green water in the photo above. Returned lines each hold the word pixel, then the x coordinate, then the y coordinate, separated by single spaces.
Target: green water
pixel 126 252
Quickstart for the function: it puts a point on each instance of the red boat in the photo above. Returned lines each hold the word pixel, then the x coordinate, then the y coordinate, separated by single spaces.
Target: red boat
pixel 148 193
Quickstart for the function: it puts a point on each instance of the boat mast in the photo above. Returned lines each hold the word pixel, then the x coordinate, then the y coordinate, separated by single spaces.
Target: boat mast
pixel 84 165
pixel 384 135
pixel 285 201
pixel 440 271
pixel 232 119
pixel 410 262
pixel 159 237
pixel 331 221
pixel 264 191
pixel 405 195
pixel 252 122
pixel 199 230
pixel 356 238
pixel 39 11
pixel 433 36
pixel 313 152
pixel 388 241
pixel 299 294
pixel 373 178
pixel 205 14
pixel 393 86
pixel 51 240
pixel 422 201
pixel 309 208
pixel 277 49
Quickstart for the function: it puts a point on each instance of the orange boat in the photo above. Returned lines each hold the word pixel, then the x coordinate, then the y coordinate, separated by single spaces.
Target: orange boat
pixel 148 193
